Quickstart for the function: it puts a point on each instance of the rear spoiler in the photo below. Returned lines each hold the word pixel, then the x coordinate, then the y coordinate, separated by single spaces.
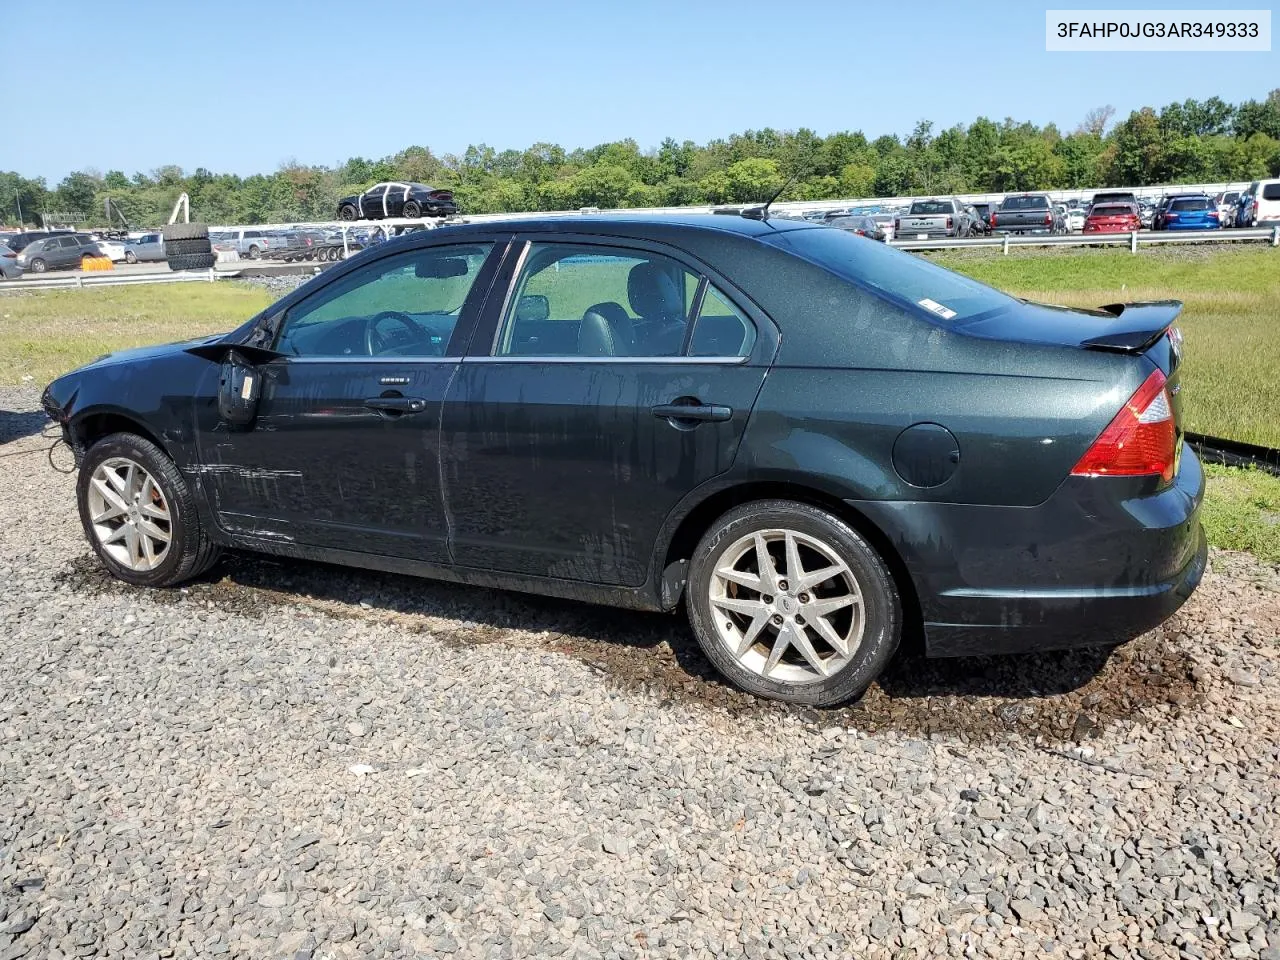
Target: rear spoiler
pixel 1137 325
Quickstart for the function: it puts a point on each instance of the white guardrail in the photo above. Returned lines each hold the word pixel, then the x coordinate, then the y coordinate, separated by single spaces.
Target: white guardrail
pixel 1269 235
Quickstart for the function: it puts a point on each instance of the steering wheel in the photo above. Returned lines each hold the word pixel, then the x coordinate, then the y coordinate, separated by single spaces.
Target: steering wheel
pixel 373 341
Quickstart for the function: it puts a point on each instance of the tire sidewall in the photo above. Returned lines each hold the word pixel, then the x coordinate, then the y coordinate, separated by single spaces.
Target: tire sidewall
pixel 183 523
pixel 416 213
pixel 882 606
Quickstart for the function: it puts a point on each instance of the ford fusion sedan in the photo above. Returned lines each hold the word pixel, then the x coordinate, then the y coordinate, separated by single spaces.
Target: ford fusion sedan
pixel 410 200
pixel 812 443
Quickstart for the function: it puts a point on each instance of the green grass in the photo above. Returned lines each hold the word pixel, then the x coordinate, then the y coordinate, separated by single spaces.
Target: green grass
pixel 1242 511
pixel 43 335
pixel 1231 377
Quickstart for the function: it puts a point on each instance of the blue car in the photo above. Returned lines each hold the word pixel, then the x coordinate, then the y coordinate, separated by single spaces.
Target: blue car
pixel 1188 211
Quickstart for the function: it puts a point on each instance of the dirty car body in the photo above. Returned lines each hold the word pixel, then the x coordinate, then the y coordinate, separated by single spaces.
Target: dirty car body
pixel 577 407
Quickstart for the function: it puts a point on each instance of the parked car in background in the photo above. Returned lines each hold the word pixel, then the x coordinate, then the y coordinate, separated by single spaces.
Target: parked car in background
pixel 1147 212
pixel 1226 202
pixel 114 249
pixel 409 200
pixel 62 252
pixel 931 219
pixel 1112 218
pixel 520 455
pixel 17 242
pixel 978 223
pixel 1260 204
pixel 147 248
pixel 1187 211
pixel 10 269
pixel 1114 196
pixel 984 210
pixel 1027 213
pixel 1073 218
pixel 863 226
pixel 249 243
pixel 885 222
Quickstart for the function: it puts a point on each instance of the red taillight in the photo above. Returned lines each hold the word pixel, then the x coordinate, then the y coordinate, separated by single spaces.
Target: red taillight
pixel 1141 440
pixel 861 233
pixel 948 223
pixel 1048 219
pixel 993 220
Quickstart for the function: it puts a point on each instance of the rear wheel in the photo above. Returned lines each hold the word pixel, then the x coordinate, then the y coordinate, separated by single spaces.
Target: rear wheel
pixel 789 602
pixel 254 252
pixel 411 210
pixel 139 514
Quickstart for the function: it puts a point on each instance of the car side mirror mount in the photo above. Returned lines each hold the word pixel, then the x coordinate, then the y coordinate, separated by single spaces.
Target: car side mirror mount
pixel 239 389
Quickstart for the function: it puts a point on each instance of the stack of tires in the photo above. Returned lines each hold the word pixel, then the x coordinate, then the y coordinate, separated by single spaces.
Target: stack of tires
pixel 186 246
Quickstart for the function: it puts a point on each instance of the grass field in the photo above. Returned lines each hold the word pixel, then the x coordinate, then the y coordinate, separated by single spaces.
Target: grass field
pixel 1231 378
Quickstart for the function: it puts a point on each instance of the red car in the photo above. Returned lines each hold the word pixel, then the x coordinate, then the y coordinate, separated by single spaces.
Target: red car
pixel 1112 218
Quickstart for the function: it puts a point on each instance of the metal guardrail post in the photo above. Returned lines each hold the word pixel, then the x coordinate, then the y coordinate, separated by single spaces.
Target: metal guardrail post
pixel 1275 236
pixel 79 282
pixel 211 276
pixel 1005 245
pixel 1133 242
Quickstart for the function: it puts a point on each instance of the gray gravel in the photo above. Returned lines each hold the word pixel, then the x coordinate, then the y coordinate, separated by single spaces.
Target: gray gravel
pixel 288 760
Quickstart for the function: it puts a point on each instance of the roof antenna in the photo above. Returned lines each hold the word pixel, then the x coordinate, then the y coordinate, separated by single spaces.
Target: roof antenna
pixel 762 213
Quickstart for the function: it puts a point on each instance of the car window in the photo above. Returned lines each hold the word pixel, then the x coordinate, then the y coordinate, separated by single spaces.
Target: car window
pixel 1191 203
pixel 895 274
pixel 403 305
pixel 69 242
pixel 1271 191
pixel 1113 210
pixel 1024 203
pixel 930 206
pixel 595 301
pixel 720 329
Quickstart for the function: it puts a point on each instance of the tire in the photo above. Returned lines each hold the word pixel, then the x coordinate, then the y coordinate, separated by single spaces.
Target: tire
pixel 130 257
pixel 348 211
pixel 188 551
pixel 38 265
pixel 193 261
pixel 870 626
pixel 254 252
pixel 411 209
pixel 181 248
pixel 185 231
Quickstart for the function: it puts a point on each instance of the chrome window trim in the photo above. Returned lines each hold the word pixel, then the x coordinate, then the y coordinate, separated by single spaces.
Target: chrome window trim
pixel 715 361
pixel 359 359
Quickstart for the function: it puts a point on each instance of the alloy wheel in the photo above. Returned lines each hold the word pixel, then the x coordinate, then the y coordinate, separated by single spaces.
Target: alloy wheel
pixel 786 606
pixel 129 514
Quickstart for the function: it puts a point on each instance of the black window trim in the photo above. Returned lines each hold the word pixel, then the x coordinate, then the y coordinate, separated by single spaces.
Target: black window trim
pixel 705 279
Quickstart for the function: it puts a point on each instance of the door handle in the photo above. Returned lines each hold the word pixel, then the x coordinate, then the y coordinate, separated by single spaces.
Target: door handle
pixel 396 404
pixel 693 411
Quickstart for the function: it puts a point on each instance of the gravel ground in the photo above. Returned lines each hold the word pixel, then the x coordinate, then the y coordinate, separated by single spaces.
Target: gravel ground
pixel 291 760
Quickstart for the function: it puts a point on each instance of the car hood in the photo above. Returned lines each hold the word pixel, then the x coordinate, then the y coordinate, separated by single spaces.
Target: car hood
pixel 153 352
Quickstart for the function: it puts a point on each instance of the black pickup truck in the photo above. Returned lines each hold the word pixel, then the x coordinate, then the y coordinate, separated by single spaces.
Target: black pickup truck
pixel 1027 213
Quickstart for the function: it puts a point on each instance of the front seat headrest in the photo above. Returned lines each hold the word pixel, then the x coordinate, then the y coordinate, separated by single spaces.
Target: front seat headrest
pixel 595 336
pixel 653 294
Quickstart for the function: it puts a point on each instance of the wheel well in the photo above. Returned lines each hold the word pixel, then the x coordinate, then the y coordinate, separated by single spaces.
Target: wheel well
pixel 700 519
pixel 89 430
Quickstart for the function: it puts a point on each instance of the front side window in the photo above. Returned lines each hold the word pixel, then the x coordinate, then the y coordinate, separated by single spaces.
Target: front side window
pixel 405 305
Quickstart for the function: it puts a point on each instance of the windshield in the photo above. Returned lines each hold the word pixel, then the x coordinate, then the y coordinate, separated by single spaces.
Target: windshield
pixel 930 206
pixel 1191 203
pixel 1231 198
pixel 1025 203
pixel 898 275
pixel 1112 197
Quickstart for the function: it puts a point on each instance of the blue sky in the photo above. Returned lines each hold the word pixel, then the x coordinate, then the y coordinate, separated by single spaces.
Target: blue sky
pixel 244 85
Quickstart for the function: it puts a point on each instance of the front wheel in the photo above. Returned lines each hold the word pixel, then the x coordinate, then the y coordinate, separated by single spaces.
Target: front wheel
pixel 789 602
pixel 130 257
pixel 347 211
pixel 38 266
pixel 139 514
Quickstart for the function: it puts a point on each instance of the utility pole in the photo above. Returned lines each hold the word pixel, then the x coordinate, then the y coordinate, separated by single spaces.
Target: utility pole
pixel 18 199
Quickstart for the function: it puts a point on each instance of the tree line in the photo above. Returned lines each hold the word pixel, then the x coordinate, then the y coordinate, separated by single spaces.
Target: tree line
pixel 1192 141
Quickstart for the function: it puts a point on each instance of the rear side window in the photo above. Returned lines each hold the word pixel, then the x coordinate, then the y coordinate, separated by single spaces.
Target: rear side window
pixel 1271 191
pixel 897 275
pixel 721 330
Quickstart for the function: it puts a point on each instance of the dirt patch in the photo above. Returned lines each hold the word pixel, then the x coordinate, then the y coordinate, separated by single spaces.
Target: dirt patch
pixel 1057 696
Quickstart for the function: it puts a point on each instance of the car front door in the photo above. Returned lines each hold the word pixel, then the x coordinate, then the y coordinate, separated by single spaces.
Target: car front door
pixel 68 252
pixel 371 202
pixel 343 452
pixel 589 406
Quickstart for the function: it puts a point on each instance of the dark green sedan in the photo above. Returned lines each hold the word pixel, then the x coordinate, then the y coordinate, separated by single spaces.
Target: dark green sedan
pixel 811 442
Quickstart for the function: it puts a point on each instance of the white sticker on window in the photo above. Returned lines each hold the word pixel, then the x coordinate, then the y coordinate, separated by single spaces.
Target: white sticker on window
pixel 246 388
pixel 946 313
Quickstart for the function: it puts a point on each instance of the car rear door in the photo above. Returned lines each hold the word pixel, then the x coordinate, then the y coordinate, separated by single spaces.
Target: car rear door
pixel 585 411
pixel 343 452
